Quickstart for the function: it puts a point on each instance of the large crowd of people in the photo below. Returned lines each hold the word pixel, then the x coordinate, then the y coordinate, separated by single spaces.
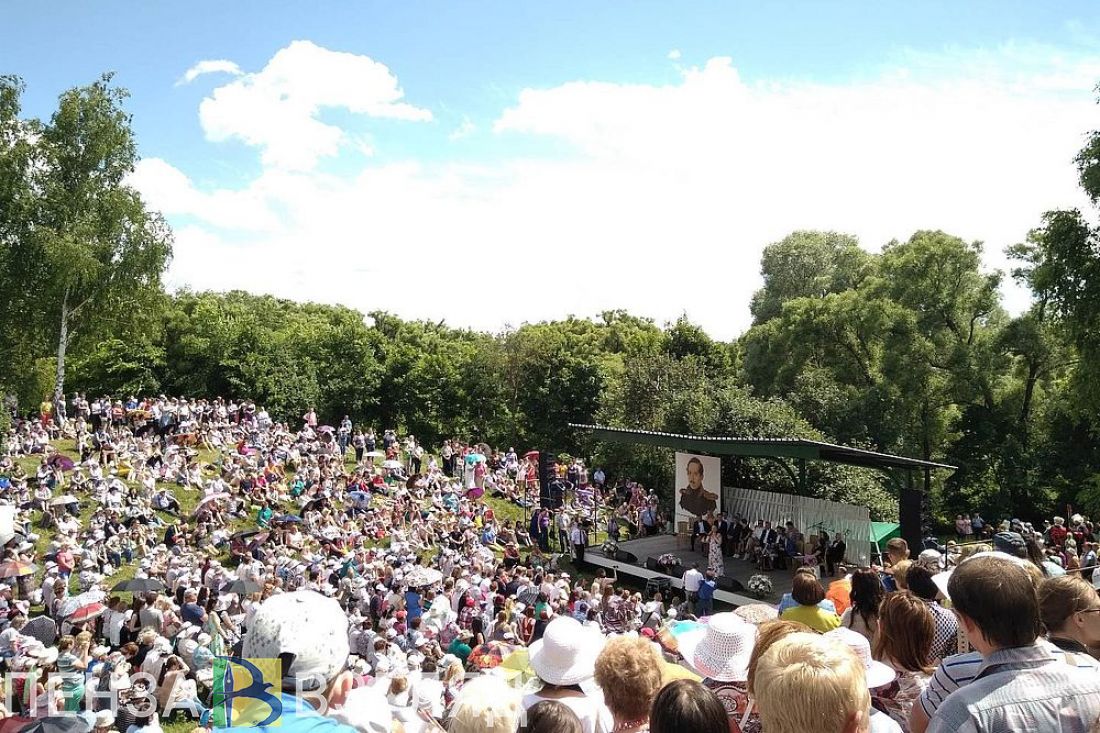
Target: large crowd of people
pixel 181 537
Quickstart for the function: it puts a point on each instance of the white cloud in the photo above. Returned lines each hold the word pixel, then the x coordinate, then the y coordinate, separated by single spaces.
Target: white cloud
pixel 674 54
pixel 217 66
pixel 663 204
pixel 277 108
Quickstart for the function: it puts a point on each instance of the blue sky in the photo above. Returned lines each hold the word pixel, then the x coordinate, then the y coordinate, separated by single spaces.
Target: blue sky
pixel 469 65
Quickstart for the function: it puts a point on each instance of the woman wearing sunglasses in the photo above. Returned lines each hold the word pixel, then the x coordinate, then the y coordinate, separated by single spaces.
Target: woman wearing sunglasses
pixel 1070 610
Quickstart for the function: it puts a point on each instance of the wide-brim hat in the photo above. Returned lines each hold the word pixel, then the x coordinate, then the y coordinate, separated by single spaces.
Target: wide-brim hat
pixel 720 651
pixel 566 653
pixel 877 673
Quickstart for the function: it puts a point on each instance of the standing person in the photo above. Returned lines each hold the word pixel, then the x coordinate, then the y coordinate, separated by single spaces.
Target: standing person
pixel 648 519
pixel 1020 685
pixel 564 522
pixel 578 537
pixel 834 556
pixel 714 551
pixel 310 418
pixel 707 586
pixel 692 579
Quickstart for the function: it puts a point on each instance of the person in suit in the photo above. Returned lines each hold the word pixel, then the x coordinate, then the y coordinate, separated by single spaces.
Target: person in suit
pixel 768 538
pixel 834 555
pixel 723 532
pixel 700 531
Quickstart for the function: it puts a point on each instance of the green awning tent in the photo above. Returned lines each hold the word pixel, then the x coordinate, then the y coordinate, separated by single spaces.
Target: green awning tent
pixel 884 531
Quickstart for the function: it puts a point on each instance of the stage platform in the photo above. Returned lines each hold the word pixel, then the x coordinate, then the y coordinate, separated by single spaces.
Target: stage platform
pixel 735 569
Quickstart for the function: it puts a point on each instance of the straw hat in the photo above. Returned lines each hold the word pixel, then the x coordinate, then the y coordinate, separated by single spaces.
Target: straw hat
pixel 104 719
pixel 878 674
pixel 566 653
pixel 721 652
pixel 757 613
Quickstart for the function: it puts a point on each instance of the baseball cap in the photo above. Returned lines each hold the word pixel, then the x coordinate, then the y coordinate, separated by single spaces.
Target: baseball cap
pixel 305 629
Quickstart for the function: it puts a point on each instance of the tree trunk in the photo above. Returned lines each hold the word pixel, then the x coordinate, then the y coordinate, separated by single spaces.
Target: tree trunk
pixel 62 345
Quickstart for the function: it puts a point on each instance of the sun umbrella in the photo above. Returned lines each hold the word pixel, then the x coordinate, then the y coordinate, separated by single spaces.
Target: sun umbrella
pixel 241 587
pixel 42 628
pixel 57 724
pixel 490 655
pixel 138 585
pixel 293 519
pixel 421 576
pixel 391 464
pixel 374 454
pixel 71 605
pixel 87 613
pixel 16 569
pixel 358 496
pixel 528 596
pixel 531 455
pixel 326 429
pixel 57 460
pixel 64 499
pixel 211 497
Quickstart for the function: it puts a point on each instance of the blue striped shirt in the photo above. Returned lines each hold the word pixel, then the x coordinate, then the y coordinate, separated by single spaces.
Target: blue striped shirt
pixel 960 670
pixel 1021 689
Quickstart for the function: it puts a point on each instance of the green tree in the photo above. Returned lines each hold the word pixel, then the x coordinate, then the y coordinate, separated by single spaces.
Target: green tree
pixel 807 264
pixel 99 252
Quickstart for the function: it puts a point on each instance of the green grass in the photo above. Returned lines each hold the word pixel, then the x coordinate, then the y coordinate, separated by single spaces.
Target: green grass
pixel 188 501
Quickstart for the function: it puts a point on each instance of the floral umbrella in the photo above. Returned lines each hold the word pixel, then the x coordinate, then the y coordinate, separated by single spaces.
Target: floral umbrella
pixel 491 654
pixel 16 569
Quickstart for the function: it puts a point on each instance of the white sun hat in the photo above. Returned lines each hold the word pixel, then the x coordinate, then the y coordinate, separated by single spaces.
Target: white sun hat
pixel 720 651
pixel 566 653
pixel 878 674
pixel 306 625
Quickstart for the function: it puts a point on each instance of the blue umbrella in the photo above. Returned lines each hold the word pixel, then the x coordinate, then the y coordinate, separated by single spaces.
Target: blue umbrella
pixel 288 518
pixel 358 496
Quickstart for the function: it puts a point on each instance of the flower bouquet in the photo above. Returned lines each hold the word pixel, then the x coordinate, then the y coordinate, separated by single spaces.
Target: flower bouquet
pixel 760 586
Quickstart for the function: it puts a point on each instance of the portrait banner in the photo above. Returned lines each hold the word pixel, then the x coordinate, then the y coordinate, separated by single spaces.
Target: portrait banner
pixel 698 486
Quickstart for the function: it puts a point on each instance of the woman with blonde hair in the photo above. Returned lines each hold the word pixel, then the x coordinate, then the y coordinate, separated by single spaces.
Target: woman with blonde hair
pixel 628 671
pixel 486 705
pixel 903 643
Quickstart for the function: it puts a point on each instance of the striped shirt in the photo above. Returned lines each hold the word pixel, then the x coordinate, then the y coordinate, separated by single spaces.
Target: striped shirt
pixel 1021 689
pixel 961 669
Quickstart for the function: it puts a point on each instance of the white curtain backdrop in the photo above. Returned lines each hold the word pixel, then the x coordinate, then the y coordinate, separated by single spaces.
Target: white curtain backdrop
pixel 808 514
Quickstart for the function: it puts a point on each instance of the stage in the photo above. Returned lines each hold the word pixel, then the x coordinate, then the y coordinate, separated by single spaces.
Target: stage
pixel 735 569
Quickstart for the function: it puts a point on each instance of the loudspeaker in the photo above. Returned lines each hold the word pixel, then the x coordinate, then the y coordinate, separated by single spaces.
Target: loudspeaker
pixel 730 584
pixel 909 514
pixel 651 564
pixel 548 472
pixel 624 556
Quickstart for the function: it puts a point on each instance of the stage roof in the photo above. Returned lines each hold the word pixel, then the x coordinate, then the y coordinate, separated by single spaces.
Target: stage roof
pixel 761 447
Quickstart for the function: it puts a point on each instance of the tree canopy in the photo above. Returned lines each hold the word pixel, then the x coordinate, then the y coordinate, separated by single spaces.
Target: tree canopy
pixel 905 350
